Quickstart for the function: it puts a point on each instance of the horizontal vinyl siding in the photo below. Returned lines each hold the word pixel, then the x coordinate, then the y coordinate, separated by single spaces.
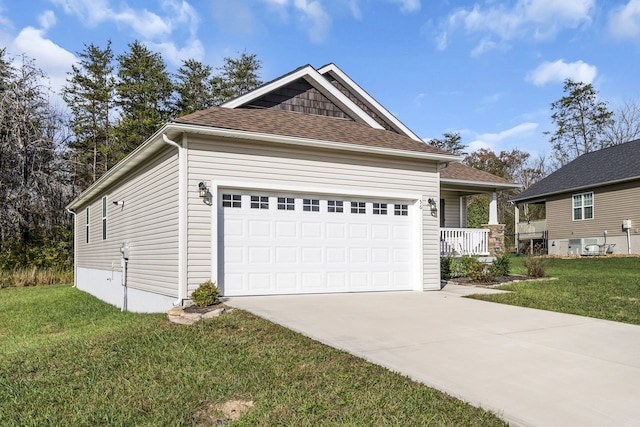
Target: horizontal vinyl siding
pixel 451 208
pixel 148 222
pixel 288 165
pixel 611 205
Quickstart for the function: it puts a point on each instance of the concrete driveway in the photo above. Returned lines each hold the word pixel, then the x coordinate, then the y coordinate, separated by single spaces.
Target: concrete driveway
pixel 532 367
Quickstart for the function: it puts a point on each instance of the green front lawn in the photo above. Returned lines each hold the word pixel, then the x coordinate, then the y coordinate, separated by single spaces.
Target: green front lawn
pixel 606 288
pixel 67 358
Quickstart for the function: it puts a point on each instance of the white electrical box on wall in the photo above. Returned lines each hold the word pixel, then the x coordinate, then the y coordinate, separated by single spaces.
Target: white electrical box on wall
pixel 626 224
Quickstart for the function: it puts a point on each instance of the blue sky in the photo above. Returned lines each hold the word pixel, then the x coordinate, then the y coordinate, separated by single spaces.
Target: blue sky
pixel 487 69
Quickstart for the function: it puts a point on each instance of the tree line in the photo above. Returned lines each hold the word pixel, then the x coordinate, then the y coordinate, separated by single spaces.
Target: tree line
pixel 114 103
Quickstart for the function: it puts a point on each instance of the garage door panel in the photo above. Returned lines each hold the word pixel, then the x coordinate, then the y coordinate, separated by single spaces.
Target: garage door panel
pixel 288 251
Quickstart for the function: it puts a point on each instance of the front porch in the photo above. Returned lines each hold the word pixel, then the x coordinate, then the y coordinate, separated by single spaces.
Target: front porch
pixel 482 242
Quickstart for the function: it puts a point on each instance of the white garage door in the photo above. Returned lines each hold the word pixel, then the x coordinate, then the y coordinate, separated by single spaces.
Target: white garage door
pixel 284 243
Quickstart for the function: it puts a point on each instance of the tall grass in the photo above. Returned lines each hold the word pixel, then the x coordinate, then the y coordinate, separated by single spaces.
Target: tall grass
pixel 21 277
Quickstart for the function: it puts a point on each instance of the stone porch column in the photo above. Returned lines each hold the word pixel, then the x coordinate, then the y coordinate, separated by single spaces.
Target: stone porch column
pixel 496 238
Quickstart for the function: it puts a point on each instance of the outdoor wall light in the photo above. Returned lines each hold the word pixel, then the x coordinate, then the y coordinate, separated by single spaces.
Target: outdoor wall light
pixel 204 193
pixel 202 188
pixel 433 204
pixel 118 202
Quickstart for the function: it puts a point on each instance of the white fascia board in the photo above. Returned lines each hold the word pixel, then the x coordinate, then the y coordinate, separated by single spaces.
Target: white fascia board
pixel 316 80
pixel 306 142
pixel 368 99
pixel 480 184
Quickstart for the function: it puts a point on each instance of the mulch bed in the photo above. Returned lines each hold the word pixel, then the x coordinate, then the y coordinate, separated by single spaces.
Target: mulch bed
pixel 502 280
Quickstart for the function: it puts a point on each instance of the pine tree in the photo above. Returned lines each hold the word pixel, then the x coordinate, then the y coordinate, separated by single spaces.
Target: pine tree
pixel 89 95
pixel 144 90
pixel 193 87
pixel 236 77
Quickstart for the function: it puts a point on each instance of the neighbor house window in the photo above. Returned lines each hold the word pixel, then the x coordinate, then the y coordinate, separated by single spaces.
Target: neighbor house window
pixel 286 203
pixel 582 206
pixel 335 206
pixel 104 218
pixel 401 210
pixel 259 202
pixel 358 207
pixel 231 200
pixel 86 225
pixel 379 208
pixel 311 205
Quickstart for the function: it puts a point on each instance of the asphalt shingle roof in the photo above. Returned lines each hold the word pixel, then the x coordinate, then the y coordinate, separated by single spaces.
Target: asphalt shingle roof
pixel 298 125
pixel 613 164
pixel 467 173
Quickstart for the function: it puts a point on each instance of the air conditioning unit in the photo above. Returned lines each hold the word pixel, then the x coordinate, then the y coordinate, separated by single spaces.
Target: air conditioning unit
pixel 577 246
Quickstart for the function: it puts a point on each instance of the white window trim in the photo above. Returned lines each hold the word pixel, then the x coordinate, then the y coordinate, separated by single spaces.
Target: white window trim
pixel 583 206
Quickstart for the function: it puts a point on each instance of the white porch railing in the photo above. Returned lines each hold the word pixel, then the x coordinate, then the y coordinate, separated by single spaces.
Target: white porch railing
pixel 464 241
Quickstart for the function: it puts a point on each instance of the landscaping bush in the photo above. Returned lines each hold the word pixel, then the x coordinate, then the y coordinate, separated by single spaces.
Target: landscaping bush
pixel 447 267
pixel 465 264
pixel 502 264
pixel 535 266
pixel 207 294
pixel 481 273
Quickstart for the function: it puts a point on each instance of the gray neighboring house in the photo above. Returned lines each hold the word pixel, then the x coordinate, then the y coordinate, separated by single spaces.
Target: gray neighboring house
pixel 304 185
pixel 592 204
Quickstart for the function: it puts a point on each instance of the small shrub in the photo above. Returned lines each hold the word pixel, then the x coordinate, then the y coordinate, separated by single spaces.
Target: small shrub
pixel 482 273
pixel 502 264
pixel 447 267
pixel 207 294
pixel 466 263
pixel 535 266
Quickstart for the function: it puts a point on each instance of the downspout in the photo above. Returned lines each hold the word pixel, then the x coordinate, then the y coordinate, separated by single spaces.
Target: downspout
pixel 182 219
pixel 75 250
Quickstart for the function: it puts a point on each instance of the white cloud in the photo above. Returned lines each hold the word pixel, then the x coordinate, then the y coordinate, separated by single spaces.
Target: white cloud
pixel 47 20
pixel 316 18
pixel 537 19
pixel 624 21
pixel 155 29
pixel 408 5
pixel 559 71
pixel 493 140
pixel 51 58
pixel 485 45
pixel 192 50
pixel 145 23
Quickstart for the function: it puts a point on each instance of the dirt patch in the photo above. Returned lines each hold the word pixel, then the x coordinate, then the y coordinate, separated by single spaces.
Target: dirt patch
pixel 215 415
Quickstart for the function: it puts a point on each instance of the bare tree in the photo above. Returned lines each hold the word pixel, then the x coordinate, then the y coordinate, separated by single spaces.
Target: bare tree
pixel 625 126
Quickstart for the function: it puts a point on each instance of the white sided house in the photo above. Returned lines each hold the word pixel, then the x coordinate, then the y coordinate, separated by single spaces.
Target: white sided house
pixel 304 185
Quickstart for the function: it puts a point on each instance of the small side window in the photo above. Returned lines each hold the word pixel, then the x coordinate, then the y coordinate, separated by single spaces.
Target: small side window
pixel 104 218
pixel 86 227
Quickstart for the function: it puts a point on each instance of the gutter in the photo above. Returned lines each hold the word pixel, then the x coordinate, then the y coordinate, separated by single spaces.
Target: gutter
pixel 182 218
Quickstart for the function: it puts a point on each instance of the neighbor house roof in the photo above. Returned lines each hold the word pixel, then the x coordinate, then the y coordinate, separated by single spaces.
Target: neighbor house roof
pixel 607 166
pixel 307 126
